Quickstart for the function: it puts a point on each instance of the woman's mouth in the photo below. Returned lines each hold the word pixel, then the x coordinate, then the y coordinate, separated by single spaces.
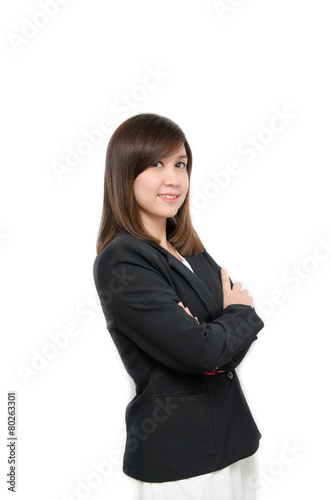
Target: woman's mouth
pixel 169 198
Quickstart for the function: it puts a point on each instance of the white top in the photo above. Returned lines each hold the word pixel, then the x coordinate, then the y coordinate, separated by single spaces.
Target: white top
pixel 185 262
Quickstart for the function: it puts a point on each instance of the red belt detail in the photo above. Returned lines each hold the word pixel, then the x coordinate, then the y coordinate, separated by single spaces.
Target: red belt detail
pixel 213 373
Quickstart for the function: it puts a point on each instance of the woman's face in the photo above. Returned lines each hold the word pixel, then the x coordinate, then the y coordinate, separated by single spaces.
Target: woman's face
pixel 168 176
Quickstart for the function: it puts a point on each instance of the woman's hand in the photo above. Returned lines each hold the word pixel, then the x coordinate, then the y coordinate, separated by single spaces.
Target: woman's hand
pixel 234 295
pixel 187 310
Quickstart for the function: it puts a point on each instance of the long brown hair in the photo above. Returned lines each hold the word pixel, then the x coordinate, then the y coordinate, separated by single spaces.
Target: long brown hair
pixel 136 144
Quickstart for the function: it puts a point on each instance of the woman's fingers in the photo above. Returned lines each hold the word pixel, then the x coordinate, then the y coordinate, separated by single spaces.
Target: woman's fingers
pixel 234 295
pixel 187 310
pixel 226 285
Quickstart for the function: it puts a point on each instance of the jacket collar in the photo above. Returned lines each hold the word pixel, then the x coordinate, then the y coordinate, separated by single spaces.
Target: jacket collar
pixel 200 279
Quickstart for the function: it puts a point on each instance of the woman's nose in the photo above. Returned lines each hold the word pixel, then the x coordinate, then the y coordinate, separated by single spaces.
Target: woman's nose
pixel 171 177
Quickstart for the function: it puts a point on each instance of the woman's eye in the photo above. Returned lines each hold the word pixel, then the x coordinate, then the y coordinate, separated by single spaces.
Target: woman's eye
pixel 180 163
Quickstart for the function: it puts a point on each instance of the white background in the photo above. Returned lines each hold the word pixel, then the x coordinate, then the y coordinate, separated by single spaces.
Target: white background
pixel 223 77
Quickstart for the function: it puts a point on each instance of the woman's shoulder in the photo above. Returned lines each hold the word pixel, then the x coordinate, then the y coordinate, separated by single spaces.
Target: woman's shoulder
pixel 123 242
pixel 123 247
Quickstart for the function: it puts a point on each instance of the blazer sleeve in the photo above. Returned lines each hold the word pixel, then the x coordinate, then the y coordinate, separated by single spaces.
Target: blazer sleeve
pixel 138 300
pixel 237 358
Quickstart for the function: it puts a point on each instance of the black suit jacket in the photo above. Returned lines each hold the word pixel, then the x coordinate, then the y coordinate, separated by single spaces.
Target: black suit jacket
pixel 182 422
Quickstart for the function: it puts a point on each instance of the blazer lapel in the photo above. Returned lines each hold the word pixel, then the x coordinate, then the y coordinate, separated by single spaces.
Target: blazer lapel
pixel 200 280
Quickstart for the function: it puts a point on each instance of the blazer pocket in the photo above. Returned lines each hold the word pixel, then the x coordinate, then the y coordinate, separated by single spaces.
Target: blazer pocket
pixel 180 394
pixel 184 431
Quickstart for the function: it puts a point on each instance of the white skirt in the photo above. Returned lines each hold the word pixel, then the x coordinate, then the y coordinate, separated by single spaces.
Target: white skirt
pixel 235 482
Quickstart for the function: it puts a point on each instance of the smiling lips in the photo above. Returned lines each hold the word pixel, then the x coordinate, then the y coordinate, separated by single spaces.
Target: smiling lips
pixel 169 198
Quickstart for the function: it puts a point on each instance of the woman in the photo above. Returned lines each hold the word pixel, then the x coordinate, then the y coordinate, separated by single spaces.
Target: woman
pixel 180 325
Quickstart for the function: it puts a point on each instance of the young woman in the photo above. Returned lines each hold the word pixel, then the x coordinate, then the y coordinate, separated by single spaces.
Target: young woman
pixel 180 325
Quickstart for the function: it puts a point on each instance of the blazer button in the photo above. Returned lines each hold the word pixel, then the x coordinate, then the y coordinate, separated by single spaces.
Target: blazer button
pixel 230 375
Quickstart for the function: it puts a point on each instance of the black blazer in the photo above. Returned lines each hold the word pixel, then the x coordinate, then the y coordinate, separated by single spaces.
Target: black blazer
pixel 183 421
